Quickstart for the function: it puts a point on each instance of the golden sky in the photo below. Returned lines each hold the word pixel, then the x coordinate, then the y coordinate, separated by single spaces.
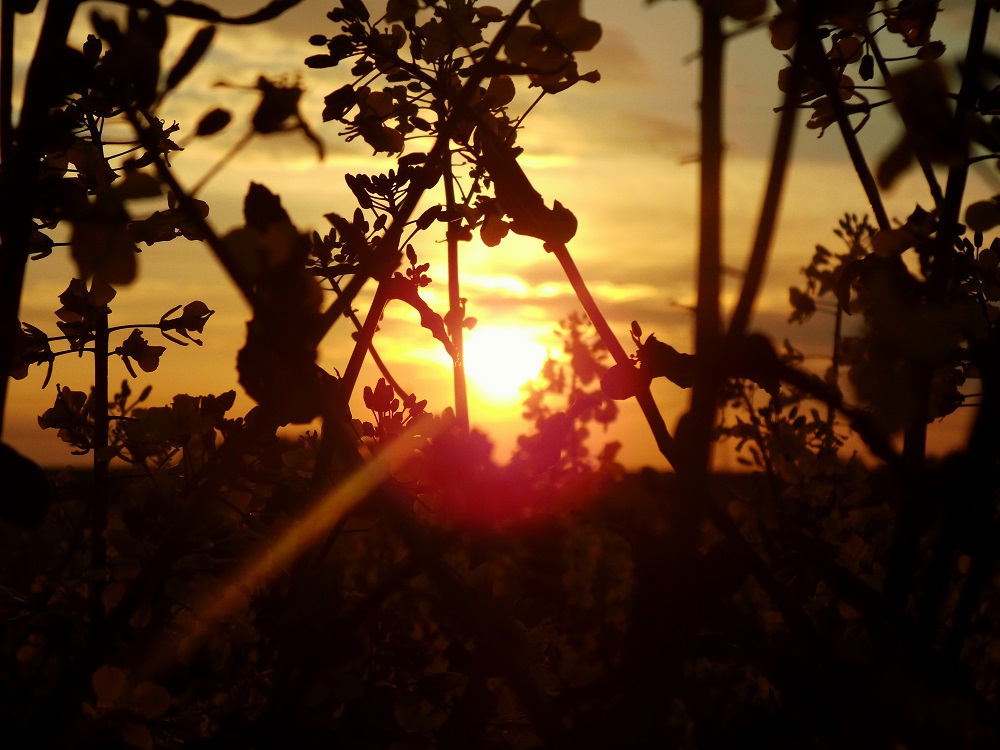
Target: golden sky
pixel 620 154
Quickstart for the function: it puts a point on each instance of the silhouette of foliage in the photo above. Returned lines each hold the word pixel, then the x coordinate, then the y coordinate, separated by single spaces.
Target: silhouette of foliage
pixel 380 581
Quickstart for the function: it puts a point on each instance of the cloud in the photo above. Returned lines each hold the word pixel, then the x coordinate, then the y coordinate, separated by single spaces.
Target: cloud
pixel 619 61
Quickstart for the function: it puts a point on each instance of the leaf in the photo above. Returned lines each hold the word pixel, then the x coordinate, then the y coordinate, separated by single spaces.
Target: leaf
pixel 621 382
pixel 575 33
pixel 493 229
pixel 213 122
pixel 277 369
pixel 521 202
pixel 102 246
pixel 196 49
pixel 500 92
pixel 922 97
pixel 401 10
pixel 893 164
pixel 429 216
pixel 137 185
pixel 983 215
pixel 658 359
pixel 262 208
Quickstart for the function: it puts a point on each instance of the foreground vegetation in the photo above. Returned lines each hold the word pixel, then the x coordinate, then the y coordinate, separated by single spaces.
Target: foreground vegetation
pixel 381 582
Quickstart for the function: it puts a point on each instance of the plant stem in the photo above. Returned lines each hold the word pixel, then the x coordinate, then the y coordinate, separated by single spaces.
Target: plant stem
pixel 387 255
pixel 18 188
pixel 6 79
pixel 904 548
pixel 783 138
pixel 664 441
pixel 958 174
pixel 99 498
pixel 376 358
pixel 925 166
pixel 704 397
pixel 456 306
pixel 188 205
pixel 838 326
pixel 363 344
pixel 816 61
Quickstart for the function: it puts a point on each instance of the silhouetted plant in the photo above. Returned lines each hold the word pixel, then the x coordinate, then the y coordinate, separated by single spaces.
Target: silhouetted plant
pixel 361 585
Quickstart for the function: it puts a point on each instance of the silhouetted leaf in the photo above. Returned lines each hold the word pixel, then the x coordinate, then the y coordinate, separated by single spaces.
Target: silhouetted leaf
pixel 658 359
pixel 621 382
pixel 320 61
pixel 102 245
pixel 401 10
pixel 922 97
pixel 195 50
pixel 262 208
pixel 213 122
pixel 429 216
pixel 983 215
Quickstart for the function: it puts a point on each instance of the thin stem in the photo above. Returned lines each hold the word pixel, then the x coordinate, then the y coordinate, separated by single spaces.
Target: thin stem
pixel 904 548
pixel 188 205
pixel 99 498
pixel 363 343
pixel 816 60
pixel 376 357
pixel 19 187
pixel 6 79
pixel 704 397
pixel 217 167
pixel 456 305
pixel 664 441
pixel 958 174
pixel 838 326
pixel 925 166
pixel 387 256
pixel 783 138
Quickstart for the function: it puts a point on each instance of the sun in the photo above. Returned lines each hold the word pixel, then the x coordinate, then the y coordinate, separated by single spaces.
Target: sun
pixel 500 359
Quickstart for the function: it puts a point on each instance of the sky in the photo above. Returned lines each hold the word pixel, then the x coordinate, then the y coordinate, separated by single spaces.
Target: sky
pixel 621 154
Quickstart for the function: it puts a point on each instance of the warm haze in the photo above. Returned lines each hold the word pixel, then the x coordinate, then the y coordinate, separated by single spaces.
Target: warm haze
pixel 620 153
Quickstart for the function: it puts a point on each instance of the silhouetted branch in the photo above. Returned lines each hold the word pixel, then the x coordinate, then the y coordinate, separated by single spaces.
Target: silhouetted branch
pixel 19 183
pixel 816 60
pixel 202 12
pixel 925 166
pixel 781 154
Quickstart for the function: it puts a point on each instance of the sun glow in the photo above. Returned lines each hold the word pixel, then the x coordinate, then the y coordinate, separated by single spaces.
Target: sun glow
pixel 500 359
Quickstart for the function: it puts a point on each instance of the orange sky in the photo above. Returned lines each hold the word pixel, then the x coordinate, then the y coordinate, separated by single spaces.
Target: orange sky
pixel 618 153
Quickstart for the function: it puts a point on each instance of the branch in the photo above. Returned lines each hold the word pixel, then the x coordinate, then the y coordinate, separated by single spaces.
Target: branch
pixel 187 204
pixel 202 12
pixel 388 249
pixel 815 58
pixel 18 188
pixel 925 166
pixel 783 137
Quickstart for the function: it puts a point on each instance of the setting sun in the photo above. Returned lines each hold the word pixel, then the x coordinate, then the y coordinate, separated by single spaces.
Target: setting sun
pixel 499 360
